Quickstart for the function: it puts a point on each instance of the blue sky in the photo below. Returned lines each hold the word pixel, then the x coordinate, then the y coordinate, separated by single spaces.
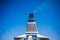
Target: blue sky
pixel 14 17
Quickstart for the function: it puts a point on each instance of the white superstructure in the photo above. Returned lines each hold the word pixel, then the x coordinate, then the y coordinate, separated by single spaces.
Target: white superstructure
pixel 31 31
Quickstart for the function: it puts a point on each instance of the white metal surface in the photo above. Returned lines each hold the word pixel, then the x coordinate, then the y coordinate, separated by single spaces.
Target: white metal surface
pixel 30 38
pixel 21 36
pixel 41 36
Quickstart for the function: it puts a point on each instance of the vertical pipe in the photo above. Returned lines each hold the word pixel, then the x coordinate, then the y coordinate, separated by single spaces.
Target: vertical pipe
pixel 30 38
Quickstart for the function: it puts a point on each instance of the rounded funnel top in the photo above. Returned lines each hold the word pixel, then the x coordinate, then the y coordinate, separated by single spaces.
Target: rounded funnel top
pixel 31 17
